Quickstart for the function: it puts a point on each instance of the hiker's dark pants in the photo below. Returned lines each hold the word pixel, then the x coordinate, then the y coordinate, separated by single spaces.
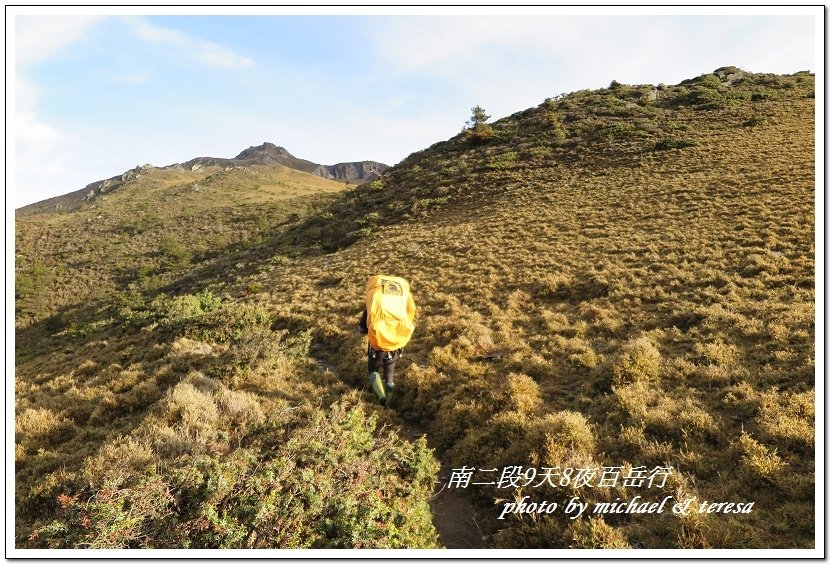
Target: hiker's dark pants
pixel 378 358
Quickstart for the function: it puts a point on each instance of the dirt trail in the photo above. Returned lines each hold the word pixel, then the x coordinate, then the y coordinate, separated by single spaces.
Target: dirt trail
pixel 453 513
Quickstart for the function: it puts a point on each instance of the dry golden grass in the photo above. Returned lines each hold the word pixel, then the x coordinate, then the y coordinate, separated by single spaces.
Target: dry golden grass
pixel 588 295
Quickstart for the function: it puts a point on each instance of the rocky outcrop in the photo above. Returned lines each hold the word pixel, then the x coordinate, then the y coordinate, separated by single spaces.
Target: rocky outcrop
pixel 69 202
pixel 360 171
pixel 268 153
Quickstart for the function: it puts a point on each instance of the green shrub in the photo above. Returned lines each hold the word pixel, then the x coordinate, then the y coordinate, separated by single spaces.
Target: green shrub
pixel 623 130
pixel 369 218
pixel 426 203
pixel 145 271
pixel 56 323
pixel 538 153
pixel 224 323
pixel 31 290
pixel 709 93
pixel 183 308
pixel 764 94
pixel 174 251
pixel 555 129
pixel 358 234
pixel 503 161
pixel 305 479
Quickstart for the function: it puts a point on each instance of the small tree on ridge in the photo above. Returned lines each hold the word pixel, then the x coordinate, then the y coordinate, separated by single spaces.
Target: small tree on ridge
pixel 477 130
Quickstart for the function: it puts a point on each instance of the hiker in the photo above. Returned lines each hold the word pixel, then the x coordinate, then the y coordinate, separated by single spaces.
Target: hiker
pixel 388 315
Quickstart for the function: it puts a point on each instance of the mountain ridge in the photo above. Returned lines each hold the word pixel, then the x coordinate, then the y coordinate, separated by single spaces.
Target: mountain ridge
pixel 267 154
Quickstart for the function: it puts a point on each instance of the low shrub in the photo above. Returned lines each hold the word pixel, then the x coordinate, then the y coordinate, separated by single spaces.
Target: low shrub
pixel 566 434
pixel 305 479
pixel 663 416
pixel 39 427
pixel 174 252
pixel 480 133
pixel 502 161
pixel 718 353
pixel 623 130
pixel 520 393
pixel 637 361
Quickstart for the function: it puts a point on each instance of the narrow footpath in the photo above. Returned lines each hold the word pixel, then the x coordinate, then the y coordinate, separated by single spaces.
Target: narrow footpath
pixel 453 514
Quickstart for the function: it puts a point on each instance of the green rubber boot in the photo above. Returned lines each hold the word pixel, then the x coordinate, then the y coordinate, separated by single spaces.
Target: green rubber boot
pixel 390 392
pixel 377 385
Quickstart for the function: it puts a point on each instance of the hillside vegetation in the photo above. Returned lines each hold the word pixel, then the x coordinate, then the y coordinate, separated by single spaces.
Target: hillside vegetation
pixel 614 278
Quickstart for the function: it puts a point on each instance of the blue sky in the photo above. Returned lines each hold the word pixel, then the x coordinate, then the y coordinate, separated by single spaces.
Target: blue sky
pixel 95 96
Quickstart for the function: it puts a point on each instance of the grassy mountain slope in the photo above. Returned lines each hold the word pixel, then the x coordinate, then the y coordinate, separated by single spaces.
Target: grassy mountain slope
pixel 615 278
pixel 152 229
pixel 647 282
pixel 266 154
pixel 155 411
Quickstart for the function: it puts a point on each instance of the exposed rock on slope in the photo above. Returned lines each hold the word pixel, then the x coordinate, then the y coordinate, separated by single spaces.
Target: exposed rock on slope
pixel 268 153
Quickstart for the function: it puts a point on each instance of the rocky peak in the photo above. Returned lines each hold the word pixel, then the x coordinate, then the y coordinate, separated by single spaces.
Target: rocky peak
pixel 265 152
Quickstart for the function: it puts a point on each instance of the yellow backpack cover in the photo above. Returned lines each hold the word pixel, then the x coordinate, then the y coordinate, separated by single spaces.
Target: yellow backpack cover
pixel 390 312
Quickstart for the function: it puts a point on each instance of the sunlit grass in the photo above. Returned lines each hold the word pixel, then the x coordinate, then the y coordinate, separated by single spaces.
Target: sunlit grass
pixel 585 298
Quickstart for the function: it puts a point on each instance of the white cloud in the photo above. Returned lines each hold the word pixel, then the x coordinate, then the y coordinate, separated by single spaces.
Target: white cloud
pixel 192 47
pixel 40 37
pixel 28 128
pixel 42 160
pixel 38 154
pixel 508 63
pixel 51 160
pixel 416 43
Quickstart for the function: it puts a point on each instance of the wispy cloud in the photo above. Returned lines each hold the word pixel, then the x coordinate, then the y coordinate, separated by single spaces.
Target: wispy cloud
pixel 53 158
pixel 510 62
pixel 419 77
pixel 39 37
pixel 39 158
pixel 187 45
pixel 28 128
pixel 429 43
pixel 40 146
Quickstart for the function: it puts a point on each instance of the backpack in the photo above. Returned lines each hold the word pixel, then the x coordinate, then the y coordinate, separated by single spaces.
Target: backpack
pixel 390 312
